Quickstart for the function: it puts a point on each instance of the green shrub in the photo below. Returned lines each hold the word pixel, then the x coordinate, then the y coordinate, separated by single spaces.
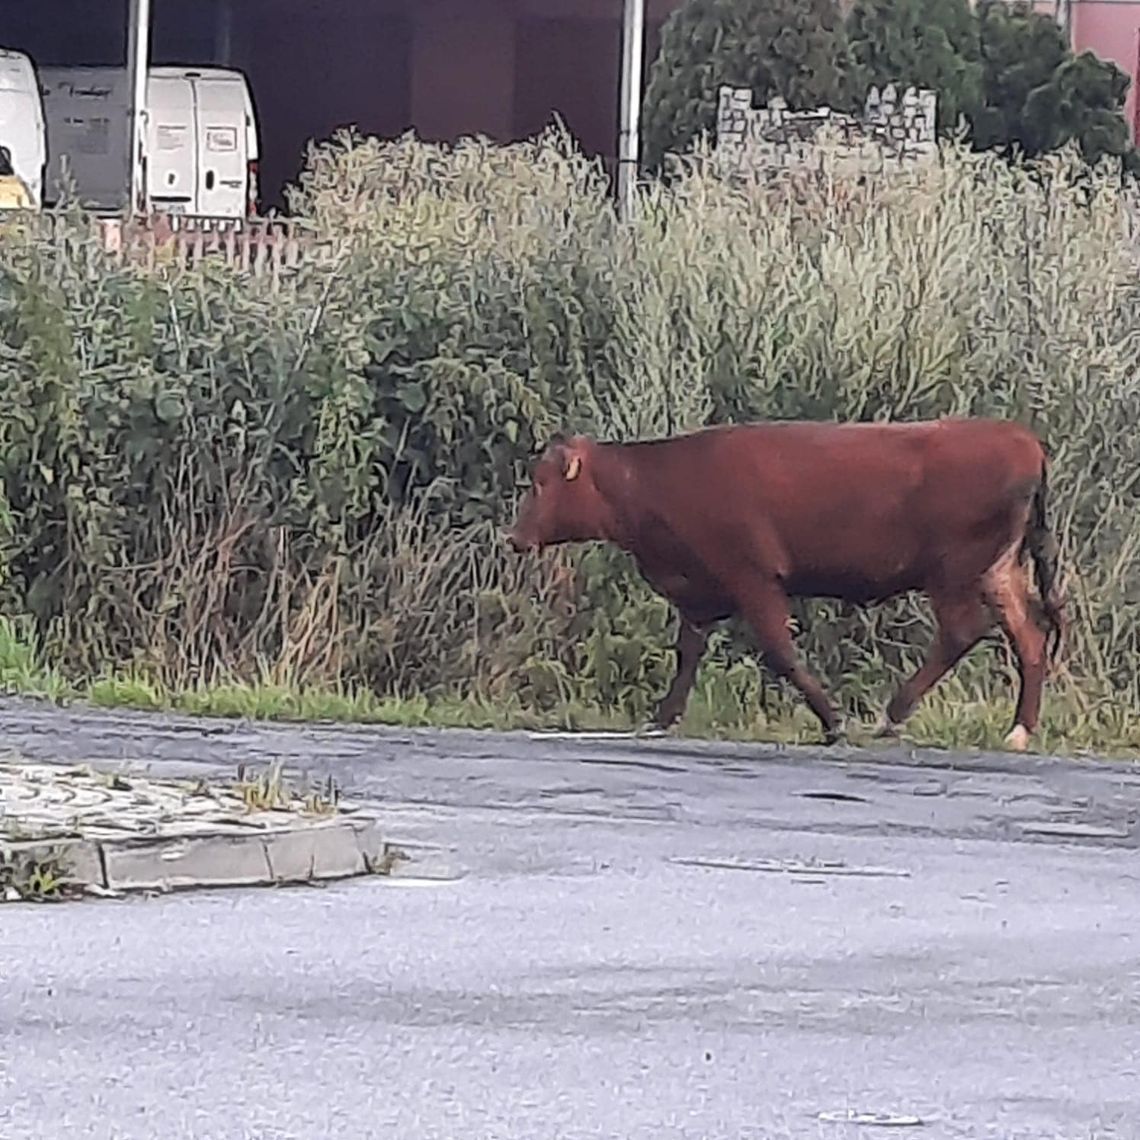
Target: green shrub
pixel 300 478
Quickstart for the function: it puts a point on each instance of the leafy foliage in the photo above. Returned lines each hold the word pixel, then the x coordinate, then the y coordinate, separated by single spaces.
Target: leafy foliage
pixel 1005 68
pixel 793 48
pixel 920 43
pixel 209 475
pixel 1038 95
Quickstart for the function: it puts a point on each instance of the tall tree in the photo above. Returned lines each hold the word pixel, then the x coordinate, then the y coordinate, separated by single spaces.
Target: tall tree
pixel 793 48
pixel 924 43
pixel 1037 95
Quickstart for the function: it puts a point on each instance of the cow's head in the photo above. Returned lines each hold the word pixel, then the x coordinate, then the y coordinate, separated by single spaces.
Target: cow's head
pixel 562 503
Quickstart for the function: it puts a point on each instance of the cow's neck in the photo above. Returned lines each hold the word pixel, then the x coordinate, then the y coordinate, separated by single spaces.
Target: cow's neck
pixel 616 480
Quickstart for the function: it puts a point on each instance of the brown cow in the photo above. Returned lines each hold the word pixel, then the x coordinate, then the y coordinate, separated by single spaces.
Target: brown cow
pixel 738 519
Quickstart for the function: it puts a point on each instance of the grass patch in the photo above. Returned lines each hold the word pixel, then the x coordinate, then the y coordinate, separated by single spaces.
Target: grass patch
pixel 22 671
pixel 270 790
pixel 1070 725
pixel 131 692
pixel 728 703
pixel 33 874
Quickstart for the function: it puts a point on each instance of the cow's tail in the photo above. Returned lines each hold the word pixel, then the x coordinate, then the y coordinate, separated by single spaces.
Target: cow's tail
pixel 1043 549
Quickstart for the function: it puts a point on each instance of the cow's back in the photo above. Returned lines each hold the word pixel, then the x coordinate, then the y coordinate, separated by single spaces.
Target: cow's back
pixel 850 510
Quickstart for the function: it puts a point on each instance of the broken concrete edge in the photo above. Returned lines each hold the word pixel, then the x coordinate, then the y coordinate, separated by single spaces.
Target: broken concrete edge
pixel 58 867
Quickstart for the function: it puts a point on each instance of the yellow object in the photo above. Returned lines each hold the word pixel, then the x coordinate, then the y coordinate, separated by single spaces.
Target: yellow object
pixel 14 194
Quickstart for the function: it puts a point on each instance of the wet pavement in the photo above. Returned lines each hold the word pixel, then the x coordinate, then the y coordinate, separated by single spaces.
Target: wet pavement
pixel 621 939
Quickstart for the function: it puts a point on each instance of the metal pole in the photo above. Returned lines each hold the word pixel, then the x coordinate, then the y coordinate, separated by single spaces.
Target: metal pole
pixel 1065 20
pixel 629 128
pixel 224 33
pixel 138 63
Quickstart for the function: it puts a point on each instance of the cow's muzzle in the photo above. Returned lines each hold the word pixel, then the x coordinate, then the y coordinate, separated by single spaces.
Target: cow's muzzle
pixel 519 543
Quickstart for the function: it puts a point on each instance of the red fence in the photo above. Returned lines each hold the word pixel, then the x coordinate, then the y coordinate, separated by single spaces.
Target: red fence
pixel 262 246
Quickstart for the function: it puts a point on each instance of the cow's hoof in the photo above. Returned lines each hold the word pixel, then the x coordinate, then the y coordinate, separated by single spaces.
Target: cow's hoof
pixel 836 735
pixel 1018 739
pixel 886 729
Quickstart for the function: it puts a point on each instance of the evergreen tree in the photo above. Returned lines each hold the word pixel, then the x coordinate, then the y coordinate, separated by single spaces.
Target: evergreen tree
pixel 1037 95
pixel 793 48
pixel 920 43
pixel 1002 67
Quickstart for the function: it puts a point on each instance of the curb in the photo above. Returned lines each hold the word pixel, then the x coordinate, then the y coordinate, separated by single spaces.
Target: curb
pixel 337 849
pixel 75 830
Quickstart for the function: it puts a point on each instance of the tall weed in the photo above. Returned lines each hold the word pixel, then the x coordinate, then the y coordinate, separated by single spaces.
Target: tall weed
pixel 205 475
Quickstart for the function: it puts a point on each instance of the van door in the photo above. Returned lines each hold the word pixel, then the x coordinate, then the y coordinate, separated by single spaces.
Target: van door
pixel 87 111
pixel 171 150
pixel 223 163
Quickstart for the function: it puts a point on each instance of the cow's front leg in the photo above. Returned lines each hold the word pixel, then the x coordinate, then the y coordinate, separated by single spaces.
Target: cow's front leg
pixel 767 611
pixel 690 648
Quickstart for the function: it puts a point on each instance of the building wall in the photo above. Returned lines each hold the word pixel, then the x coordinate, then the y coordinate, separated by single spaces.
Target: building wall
pixel 463 68
pixel 505 68
pixel 314 68
pixel 59 33
pixel 448 68
pixel 571 68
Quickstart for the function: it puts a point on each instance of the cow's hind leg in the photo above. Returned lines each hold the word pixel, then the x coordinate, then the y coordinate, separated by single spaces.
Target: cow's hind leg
pixel 1007 589
pixel 691 644
pixel 768 613
pixel 961 623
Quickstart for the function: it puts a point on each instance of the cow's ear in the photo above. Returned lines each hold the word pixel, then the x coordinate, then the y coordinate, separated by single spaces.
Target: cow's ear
pixel 573 451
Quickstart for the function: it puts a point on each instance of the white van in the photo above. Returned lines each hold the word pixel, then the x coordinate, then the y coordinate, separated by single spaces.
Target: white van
pixel 22 121
pixel 200 146
pixel 202 149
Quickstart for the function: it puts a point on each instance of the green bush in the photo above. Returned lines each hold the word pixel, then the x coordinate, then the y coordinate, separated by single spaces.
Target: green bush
pixel 208 476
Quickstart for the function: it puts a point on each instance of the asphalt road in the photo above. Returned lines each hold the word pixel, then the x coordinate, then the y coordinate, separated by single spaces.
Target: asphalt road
pixel 627 940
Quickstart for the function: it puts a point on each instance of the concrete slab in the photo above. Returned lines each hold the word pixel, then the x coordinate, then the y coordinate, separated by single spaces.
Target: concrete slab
pixel 108 832
pixel 331 852
pixel 161 864
pixel 82 855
